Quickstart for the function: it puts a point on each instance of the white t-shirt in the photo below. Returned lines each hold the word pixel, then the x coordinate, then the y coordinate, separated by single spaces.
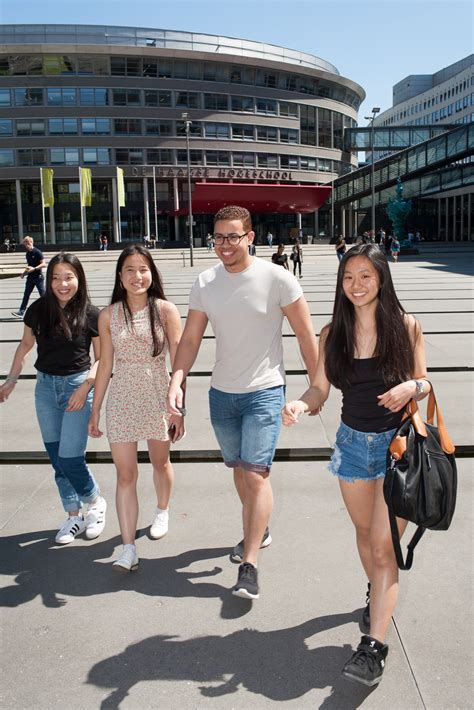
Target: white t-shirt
pixel 244 310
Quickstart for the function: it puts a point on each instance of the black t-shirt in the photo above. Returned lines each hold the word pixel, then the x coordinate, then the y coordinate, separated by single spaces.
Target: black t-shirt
pixel 280 259
pixel 56 354
pixel 34 257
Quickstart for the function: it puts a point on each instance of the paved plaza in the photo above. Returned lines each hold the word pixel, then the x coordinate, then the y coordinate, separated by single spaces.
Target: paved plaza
pixel 75 634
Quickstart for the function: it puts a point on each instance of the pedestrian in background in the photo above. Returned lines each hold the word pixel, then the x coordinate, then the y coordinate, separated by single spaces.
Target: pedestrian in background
pixel 269 239
pixel 63 324
pixel 395 248
pixel 280 258
pixel 104 242
pixel 34 275
pixel 297 257
pixel 374 353
pixel 340 247
pixel 136 331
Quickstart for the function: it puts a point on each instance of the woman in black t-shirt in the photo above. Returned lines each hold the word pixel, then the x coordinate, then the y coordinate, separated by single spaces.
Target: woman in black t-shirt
pixel 374 352
pixel 280 258
pixel 63 324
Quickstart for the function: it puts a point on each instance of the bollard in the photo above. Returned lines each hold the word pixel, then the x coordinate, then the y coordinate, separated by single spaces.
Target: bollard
pixel 183 254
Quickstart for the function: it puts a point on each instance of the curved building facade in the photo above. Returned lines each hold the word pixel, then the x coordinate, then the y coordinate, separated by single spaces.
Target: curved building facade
pixel 100 97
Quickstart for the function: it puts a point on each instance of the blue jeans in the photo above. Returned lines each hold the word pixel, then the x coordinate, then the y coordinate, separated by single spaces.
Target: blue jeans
pixel 65 437
pixel 360 455
pixel 31 284
pixel 247 426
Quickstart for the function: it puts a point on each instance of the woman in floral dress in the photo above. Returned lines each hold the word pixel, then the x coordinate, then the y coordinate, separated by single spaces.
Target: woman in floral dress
pixel 136 331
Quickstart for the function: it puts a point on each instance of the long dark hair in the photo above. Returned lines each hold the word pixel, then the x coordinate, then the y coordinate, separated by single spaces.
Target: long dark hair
pixel 394 348
pixel 72 319
pixel 119 294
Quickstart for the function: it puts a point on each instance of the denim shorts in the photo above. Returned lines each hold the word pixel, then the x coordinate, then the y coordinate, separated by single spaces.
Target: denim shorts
pixel 360 455
pixel 247 426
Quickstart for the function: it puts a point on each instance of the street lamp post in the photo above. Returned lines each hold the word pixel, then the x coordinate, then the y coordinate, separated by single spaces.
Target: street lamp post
pixel 187 126
pixel 375 111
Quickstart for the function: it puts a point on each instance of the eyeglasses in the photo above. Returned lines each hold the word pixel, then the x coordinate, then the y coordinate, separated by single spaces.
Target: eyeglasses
pixel 233 239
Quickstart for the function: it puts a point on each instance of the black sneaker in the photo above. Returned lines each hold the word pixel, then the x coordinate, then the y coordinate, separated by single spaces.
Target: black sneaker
pixel 367 664
pixel 237 554
pixel 247 583
pixel 366 612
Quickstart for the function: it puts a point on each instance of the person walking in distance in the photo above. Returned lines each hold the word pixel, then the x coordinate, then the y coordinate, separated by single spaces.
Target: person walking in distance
pixel 280 258
pixel 269 239
pixel 248 378
pixel 374 352
pixel 137 329
pixel 63 324
pixel 297 257
pixel 34 275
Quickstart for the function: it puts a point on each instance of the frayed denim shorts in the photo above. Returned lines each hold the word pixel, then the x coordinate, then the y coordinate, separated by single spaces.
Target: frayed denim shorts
pixel 360 455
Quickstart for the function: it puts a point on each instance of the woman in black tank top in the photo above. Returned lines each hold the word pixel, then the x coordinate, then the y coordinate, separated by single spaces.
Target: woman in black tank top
pixel 374 353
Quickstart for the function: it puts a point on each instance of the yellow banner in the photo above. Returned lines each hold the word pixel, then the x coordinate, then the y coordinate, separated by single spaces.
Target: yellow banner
pixel 47 186
pixel 120 188
pixel 86 187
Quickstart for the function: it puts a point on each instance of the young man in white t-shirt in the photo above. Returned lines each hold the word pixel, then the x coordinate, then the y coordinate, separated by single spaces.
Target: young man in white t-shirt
pixel 245 299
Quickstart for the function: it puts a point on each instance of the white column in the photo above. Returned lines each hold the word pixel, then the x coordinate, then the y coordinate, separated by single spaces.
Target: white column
pixel 176 206
pixel 19 210
pixel 146 206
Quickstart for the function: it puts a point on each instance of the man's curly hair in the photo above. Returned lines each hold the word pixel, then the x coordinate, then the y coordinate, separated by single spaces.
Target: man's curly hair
pixel 235 212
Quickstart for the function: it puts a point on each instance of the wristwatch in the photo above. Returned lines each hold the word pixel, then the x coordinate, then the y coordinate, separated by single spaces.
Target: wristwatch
pixel 420 387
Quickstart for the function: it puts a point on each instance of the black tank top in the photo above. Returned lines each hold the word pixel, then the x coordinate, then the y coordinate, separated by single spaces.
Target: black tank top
pixel 360 408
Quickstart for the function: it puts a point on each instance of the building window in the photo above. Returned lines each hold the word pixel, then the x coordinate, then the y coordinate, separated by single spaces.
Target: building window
pixel 160 157
pixel 288 109
pixel 129 156
pixel 187 99
pixel 243 132
pixel 35 156
pixel 95 126
pixel 61 97
pixel 96 156
pixel 6 127
pixel 126 97
pixel 217 157
pixel 267 161
pixel 6 158
pixel 307 163
pixel 216 102
pixel 64 156
pixel 28 97
pixel 62 126
pixel 155 127
pixel 288 135
pixel 94 97
pixel 125 66
pixel 266 78
pixel 267 106
pixel 324 133
pixel 157 98
pixel 127 126
pixel 195 129
pixel 150 67
pixel 308 125
pixel 242 103
pixel 30 128
pixel 5 97
pixel 195 157
pixel 289 161
pixel 217 130
pixel 267 133
pixel 243 160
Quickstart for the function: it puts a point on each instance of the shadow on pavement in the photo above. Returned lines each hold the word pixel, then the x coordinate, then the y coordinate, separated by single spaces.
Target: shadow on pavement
pixel 275 664
pixel 50 571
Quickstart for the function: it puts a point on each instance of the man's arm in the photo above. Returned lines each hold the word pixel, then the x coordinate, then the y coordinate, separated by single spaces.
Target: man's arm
pixel 300 320
pixel 186 354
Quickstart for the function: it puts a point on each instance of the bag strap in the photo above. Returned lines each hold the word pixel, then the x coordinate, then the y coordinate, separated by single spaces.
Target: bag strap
pixel 432 409
pixel 419 532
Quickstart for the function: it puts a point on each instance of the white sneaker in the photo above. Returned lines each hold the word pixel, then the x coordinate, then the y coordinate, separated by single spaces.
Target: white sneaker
pixel 95 518
pixel 70 529
pixel 128 560
pixel 159 526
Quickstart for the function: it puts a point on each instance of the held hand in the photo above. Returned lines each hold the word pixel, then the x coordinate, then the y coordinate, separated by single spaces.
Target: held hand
pixel 6 390
pixel 78 398
pixel 397 397
pixel 175 400
pixel 176 429
pixel 291 411
pixel 93 427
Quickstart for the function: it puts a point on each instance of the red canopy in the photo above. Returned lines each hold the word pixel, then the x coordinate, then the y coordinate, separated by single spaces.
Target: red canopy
pixel 209 197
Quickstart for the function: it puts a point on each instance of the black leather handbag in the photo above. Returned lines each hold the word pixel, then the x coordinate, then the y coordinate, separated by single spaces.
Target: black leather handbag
pixel 421 478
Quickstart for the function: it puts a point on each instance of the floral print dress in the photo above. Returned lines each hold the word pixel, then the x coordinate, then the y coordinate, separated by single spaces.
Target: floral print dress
pixel 136 405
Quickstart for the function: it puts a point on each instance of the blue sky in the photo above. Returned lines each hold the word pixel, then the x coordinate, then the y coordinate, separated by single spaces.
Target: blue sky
pixel 374 42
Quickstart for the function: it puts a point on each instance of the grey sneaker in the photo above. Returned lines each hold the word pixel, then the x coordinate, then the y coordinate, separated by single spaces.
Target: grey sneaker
pixel 247 583
pixel 237 554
